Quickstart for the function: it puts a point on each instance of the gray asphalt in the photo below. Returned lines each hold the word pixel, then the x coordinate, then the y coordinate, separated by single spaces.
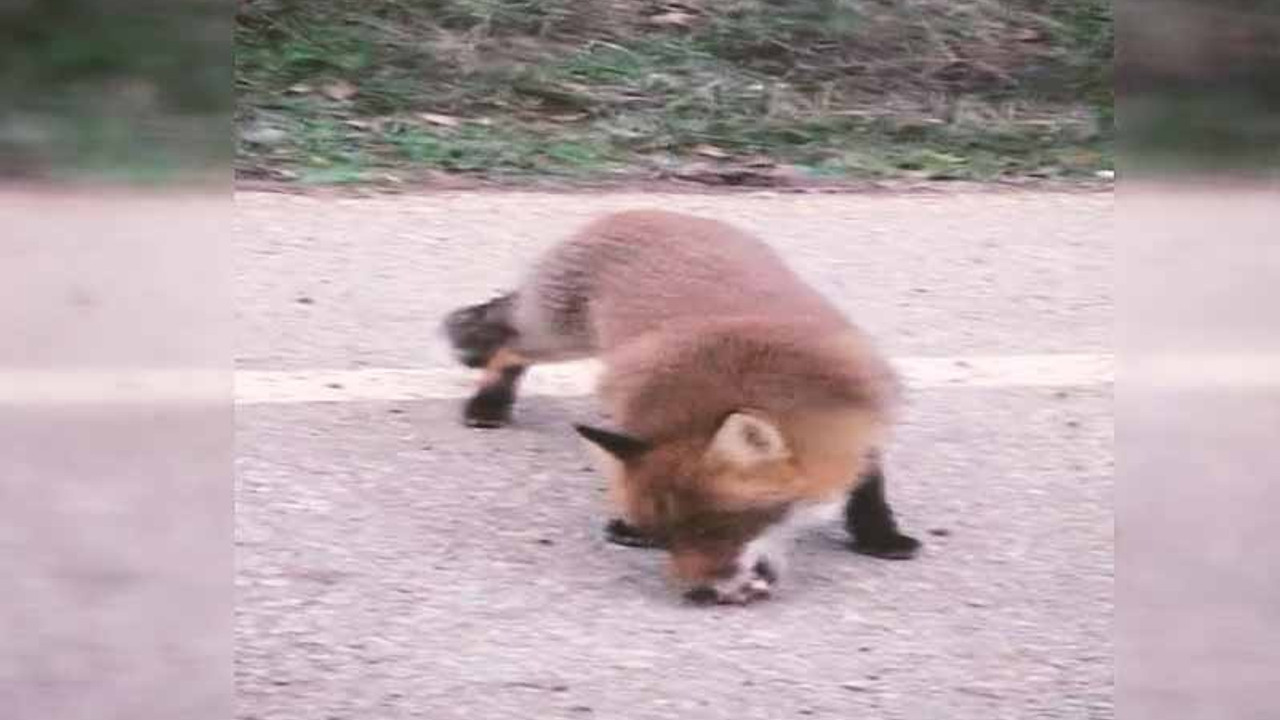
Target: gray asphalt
pixel 114 517
pixel 392 564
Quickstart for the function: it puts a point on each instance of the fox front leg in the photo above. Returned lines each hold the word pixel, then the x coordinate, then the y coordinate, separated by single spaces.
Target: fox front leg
pixel 621 532
pixel 870 521
pixel 490 406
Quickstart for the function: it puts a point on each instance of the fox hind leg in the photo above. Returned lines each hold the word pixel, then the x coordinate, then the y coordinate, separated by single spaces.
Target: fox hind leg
pixel 478 332
pixel 481 336
pixel 490 406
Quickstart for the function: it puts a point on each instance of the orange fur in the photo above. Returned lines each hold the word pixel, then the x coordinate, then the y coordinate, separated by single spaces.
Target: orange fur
pixel 697 321
pixel 503 359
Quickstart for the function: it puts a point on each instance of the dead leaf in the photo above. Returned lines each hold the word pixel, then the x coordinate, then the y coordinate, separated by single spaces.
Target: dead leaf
pixel 340 90
pixel 260 134
pixel 671 19
pixel 710 151
pixel 739 175
pixel 438 119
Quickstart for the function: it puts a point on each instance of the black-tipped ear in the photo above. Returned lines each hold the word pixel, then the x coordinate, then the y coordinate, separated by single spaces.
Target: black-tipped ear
pixel 623 447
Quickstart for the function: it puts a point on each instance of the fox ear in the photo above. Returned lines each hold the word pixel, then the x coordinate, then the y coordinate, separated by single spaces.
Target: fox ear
pixel 621 447
pixel 746 440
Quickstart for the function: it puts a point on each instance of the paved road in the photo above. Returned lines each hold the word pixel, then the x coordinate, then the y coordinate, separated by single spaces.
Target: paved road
pixel 392 564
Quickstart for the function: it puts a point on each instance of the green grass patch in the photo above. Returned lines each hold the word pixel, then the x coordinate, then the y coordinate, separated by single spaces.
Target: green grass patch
pixel 964 89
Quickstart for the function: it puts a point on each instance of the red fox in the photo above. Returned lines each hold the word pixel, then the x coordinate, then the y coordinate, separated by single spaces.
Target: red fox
pixel 743 405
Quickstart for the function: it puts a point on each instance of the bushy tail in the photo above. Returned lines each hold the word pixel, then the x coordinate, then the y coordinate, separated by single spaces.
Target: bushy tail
pixel 476 332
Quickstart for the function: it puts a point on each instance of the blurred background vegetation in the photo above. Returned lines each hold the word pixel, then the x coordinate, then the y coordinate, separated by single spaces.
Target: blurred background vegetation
pixel 731 91
pixel 1199 84
pixel 127 89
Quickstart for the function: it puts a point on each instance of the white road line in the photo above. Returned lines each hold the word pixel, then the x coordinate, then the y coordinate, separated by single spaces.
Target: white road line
pixel 577 379
pixel 43 387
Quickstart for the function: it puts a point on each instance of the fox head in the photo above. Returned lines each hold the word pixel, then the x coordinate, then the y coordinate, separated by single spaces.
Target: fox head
pixel 707 498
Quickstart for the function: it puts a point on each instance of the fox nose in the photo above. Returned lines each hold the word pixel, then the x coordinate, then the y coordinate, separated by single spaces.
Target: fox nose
pixel 701 580
pixel 695 569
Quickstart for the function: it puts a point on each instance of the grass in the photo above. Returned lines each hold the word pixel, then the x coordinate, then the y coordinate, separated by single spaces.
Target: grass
pixel 831 88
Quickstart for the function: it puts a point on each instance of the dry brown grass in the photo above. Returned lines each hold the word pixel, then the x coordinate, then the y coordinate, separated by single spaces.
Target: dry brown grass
pixel 861 86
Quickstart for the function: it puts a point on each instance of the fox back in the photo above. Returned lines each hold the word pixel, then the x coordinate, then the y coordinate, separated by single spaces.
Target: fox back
pixel 633 272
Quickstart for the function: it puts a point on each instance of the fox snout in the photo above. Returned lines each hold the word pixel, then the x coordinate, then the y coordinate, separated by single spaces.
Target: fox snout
pixel 710 580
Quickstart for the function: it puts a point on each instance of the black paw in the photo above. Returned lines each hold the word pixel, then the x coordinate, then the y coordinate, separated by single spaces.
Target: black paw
pixel 889 547
pixel 487 410
pixel 621 532
pixel 702 596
